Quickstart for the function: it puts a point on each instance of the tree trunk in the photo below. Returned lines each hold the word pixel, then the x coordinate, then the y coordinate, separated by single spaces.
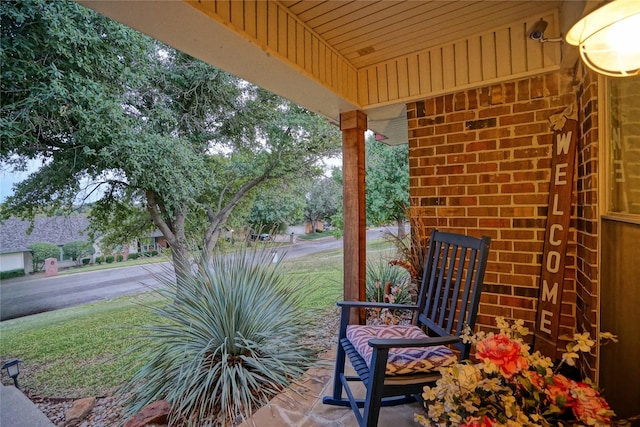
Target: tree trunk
pixel 181 264
pixel 401 232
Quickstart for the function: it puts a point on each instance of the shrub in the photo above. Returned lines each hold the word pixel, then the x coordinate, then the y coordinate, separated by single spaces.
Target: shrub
pixel 86 261
pixel 9 274
pixel 109 259
pixel 119 257
pixel 154 253
pixel 134 255
pixel 42 251
pixel 227 340
pixel 99 259
pixel 78 250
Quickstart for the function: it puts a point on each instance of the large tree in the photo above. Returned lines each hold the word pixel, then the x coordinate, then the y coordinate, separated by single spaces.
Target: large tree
pixel 387 183
pixel 323 201
pixel 163 140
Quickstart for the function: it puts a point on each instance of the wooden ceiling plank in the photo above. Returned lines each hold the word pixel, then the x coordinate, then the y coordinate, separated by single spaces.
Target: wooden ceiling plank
pixel 383 23
pixel 398 46
pixel 368 17
pixel 298 7
pixel 441 26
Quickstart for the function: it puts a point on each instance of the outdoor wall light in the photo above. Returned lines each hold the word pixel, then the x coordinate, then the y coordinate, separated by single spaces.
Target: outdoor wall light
pixel 608 38
pixel 13 370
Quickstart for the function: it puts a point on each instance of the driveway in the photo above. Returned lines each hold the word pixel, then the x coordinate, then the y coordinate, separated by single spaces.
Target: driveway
pixel 32 295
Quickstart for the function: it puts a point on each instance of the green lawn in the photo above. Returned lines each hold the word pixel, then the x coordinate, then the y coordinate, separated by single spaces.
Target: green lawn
pixel 85 350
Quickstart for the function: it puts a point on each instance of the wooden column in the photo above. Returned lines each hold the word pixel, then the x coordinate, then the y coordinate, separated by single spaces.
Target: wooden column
pixel 353 125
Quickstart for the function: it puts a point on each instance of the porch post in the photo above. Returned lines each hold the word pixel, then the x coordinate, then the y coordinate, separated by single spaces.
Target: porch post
pixel 353 125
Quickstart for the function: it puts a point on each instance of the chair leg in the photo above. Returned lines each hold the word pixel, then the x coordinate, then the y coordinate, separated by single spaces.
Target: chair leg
pixel 338 372
pixel 373 402
pixel 336 397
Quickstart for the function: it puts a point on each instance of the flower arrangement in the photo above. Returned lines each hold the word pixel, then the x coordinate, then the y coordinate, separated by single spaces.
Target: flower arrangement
pixel 512 387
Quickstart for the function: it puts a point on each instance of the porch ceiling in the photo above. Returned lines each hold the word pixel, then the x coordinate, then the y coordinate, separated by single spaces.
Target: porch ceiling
pixel 332 56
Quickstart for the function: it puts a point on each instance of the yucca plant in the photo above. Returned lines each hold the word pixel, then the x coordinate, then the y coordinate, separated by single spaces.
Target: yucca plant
pixel 385 279
pixel 388 283
pixel 227 340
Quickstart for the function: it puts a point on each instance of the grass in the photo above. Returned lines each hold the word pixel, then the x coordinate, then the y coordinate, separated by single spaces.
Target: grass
pixel 85 350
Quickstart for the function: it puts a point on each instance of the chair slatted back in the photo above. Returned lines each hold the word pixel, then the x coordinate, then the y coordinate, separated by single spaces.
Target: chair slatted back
pixel 451 284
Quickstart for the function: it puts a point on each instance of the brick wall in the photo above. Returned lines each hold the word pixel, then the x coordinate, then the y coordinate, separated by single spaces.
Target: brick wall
pixel 480 164
pixel 587 223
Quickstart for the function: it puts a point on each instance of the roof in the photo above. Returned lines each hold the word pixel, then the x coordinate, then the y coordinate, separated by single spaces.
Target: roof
pixel 57 230
pixel 335 56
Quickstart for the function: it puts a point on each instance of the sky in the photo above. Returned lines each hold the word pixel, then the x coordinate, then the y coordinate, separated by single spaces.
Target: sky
pixel 8 178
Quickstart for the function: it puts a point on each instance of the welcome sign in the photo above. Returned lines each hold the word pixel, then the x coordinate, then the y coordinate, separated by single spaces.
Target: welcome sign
pixel 565 127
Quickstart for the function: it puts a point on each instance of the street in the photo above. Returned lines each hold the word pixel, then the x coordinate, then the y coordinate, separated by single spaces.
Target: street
pixel 27 296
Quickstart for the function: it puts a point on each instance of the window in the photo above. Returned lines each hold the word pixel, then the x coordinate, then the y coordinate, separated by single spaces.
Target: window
pixel 623 147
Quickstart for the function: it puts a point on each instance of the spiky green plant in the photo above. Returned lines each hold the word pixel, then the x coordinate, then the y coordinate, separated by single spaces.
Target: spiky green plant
pixel 379 273
pixel 228 339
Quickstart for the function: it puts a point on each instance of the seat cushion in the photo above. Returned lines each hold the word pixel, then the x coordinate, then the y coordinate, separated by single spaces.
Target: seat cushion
pixel 401 361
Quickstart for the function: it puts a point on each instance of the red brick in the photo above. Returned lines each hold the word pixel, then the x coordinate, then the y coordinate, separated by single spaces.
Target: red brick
pixel 516 165
pixel 482 168
pixel 537 89
pixel 462 179
pixel 488 156
pixel 463 222
pixel 449 128
pixel 537 104
pixel 460 101
pixel 523 90
pixel 446 212
pixel 451 190
pixel 496 95
pixel 527 117
pixel 494 222
pixel 461 137
pixel 500 110
pixel 460 116
pixel 523 141
pixel 532 129
pixel 509 301
pixel 449 148
pixel 495 178
pixel 482 189
pixel 430 106
pixel 517 211
pixel 494 200
pixel 461 158
pixel 524 187
pixel 493 133
pixel 462 201
pixel 420 132
pixel 481 146
pixel 483 211
pixel 529 153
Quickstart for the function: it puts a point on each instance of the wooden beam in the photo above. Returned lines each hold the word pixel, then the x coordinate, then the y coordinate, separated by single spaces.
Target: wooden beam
pixel 353 125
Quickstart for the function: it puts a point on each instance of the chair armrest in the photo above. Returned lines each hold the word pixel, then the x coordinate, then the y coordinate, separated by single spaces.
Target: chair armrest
pixel 367 304
pixel 412 342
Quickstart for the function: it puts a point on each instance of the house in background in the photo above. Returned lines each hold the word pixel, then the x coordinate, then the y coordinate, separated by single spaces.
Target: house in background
pixel 15 240
pixel 479 97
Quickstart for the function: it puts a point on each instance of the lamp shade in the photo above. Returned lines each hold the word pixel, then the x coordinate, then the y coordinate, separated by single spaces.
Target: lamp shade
pixel 609 38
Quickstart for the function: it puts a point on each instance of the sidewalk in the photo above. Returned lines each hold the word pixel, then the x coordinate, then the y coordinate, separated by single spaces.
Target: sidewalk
pixel 16 410
pixel 301 405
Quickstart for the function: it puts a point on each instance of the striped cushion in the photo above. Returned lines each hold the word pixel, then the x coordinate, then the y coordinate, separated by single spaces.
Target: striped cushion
pixel 401 361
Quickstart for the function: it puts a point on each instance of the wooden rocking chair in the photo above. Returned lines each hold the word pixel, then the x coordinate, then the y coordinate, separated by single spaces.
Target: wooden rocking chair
pixel 395 362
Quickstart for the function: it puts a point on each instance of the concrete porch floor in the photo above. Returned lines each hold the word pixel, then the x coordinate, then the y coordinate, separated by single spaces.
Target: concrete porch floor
pixel 301 405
